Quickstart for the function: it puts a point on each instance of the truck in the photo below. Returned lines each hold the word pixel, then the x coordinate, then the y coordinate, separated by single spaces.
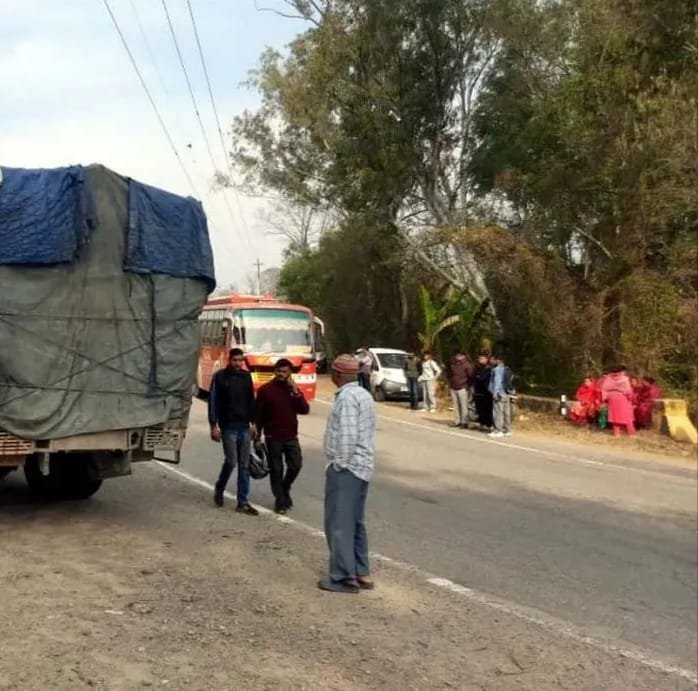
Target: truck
pixel 102 281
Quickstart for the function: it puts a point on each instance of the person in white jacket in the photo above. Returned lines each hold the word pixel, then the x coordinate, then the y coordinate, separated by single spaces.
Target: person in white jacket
pixel 430 373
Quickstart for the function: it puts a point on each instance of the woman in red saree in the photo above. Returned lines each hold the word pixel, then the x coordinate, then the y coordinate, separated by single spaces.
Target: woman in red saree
pixel 585 408
pixel 617 392
pixel 646 393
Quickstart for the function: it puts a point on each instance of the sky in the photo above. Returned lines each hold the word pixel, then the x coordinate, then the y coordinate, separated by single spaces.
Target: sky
pixel 69 95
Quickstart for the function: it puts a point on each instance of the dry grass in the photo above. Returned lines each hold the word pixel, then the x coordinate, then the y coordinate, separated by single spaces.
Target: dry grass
pixel 646 441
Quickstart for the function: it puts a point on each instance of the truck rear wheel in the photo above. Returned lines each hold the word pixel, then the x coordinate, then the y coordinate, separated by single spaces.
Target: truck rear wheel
pixel 6 470
pixel 69 477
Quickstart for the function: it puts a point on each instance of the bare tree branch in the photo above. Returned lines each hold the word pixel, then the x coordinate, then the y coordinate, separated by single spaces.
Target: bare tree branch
pixel 598 243
pixel 279 13
pixel 306 10
pixel 301 225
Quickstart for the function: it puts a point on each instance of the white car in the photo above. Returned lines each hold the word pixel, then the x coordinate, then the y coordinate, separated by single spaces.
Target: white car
pixel 387 373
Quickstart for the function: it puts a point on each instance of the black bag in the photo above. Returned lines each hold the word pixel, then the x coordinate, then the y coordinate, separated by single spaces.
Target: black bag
pixel 259 465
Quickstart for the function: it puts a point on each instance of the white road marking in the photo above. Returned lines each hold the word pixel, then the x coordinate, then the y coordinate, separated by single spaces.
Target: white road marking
pixel 529 615
pixel 560 627
pixel 484 439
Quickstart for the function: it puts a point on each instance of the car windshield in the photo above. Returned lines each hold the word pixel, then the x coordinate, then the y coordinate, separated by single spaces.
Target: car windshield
pixel 273 331
pixel 392 360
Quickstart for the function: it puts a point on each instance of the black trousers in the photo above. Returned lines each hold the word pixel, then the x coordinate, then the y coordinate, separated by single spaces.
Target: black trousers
pixel 365 380
pixel 483 405
pixel 280 452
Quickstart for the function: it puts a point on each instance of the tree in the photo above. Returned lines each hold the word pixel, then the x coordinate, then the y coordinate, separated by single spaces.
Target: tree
pixel 587 133
pixel 342 126
pixel 300 225
pixel 540 158
pixel 268 281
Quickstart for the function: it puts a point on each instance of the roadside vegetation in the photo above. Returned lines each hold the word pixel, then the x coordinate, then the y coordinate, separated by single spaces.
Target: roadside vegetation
pixel 530 166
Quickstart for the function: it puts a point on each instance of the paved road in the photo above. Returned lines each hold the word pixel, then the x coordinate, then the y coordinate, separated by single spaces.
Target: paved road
pixel 585 537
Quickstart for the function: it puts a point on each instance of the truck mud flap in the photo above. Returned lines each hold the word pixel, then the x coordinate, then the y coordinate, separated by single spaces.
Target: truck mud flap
pixel 105 465
pixel 173 461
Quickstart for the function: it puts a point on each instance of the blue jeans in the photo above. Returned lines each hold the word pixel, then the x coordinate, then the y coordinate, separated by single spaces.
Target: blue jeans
pixel 413 388
pixel 236 448
pixel 345 524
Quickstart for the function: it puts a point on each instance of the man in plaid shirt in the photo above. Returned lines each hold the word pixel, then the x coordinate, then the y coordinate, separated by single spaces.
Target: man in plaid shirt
pixel 350 460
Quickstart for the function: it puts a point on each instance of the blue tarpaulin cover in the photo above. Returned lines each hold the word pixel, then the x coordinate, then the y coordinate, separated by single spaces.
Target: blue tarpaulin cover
pixel 167 234
pixel 107 340
pixel 46 215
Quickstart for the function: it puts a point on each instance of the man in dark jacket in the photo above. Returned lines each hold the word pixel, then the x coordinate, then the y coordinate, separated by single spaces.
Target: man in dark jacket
pixel 279 403
pixel 231 411
pixel 481 391
pixel 460 377
pixel 413 368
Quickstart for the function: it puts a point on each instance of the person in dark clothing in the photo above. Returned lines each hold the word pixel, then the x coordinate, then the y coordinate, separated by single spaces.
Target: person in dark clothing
pixel 231 412
pixel 365 363
pixel 413 369
pixel 279 403
pixel 460 379
pixel 481 392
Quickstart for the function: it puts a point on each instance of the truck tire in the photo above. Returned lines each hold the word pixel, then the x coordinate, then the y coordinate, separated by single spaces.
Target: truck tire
pixel 69 477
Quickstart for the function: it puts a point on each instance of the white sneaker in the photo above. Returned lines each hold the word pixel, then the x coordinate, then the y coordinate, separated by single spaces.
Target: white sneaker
pixel 432 410
pixel 507 434
pixel 496 434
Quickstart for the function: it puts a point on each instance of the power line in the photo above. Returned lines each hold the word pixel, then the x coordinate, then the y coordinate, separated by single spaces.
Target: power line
pixel 189 86
pixel 182 64
pixel 150 98
pixel 226 158
pixel 148 47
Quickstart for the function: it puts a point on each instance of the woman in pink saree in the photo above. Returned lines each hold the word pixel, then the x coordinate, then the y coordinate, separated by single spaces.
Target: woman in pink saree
pixel 617 392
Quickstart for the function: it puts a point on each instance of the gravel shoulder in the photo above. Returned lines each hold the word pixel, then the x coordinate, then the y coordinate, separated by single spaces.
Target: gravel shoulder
pixel 148 585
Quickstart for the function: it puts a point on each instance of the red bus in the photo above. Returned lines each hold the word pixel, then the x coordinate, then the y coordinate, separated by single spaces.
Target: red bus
pixel 266 330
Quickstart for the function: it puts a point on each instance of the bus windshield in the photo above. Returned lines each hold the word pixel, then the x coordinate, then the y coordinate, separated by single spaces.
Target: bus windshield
pixel 273 331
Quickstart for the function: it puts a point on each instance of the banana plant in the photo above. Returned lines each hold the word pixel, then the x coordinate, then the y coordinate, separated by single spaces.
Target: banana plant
pixel 436 318
pixel 457 311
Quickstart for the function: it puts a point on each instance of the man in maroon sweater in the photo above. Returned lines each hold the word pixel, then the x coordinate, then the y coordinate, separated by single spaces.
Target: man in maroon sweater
pixel 279 403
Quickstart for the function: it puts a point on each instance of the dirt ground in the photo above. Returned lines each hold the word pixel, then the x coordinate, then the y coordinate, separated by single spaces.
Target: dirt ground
pixel 148 585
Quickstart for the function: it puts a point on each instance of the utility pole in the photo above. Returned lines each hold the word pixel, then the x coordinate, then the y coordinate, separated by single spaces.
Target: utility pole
pixel 259 266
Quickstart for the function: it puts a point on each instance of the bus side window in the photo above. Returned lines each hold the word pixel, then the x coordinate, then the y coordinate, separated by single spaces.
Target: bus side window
pixel 214 334
pixel 219 328
pixel 224 331
pixel 202 332
pixel 210 332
